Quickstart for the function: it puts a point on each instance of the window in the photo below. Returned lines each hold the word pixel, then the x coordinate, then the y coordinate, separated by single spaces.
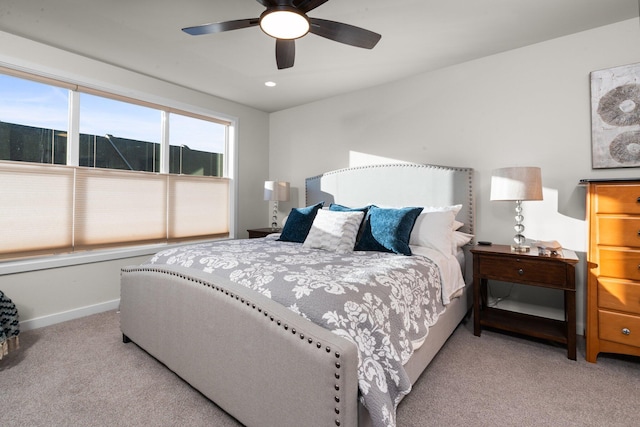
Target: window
pixel 33 121
pixel 119 135
pixel 197 146
pixel 141 173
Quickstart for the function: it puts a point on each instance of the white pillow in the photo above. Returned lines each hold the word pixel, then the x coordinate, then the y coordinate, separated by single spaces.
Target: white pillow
pixel 334 231
pixel 454 208
pixel 460 239
pixel 434 230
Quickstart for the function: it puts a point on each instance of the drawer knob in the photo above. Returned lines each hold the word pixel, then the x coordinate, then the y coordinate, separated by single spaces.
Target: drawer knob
pixel 626 331
pixel 521 271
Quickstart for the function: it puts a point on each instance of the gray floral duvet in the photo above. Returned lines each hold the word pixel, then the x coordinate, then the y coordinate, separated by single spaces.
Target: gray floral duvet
pixel 379 301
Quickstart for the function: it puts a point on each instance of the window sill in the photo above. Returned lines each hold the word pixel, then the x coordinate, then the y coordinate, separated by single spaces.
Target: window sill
pixel 85 257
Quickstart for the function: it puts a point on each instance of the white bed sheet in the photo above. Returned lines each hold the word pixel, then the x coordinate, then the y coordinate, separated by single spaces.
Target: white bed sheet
pixel 452 278
pixel 450 269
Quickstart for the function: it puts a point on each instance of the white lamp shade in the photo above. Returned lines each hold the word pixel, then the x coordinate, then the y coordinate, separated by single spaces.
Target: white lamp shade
pixel 276 191
pixel 516 183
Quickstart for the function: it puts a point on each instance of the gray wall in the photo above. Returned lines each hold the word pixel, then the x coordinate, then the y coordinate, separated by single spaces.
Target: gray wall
pixel 525 107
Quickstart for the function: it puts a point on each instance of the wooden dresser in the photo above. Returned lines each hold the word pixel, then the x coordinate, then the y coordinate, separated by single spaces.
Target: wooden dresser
pixel 613 267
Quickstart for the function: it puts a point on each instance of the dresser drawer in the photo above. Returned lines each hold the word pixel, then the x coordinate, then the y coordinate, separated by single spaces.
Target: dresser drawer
pixel 618 231
pixel 620 264
pixel 618 198
pixel 619 295
pixel 551 274
pixel 618 327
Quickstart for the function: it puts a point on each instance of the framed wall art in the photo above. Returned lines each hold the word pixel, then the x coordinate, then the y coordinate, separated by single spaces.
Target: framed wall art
pixel 615 117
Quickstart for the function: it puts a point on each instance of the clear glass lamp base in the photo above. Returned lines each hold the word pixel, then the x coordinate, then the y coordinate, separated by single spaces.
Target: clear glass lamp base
pixel 519 239
pixel 274 218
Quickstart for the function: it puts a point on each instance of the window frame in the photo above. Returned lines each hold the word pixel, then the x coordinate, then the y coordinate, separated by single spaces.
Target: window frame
pixel 125 251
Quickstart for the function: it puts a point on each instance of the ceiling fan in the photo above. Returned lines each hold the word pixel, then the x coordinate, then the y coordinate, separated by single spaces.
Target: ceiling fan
pixel 287 20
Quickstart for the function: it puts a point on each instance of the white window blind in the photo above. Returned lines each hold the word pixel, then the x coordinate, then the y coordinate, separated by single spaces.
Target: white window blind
pixel 51 209
pixel 115 206
pixel 199 206
pixel 36 208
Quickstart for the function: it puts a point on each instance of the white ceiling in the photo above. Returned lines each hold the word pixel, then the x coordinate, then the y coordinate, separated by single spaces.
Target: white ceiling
pixel 417 36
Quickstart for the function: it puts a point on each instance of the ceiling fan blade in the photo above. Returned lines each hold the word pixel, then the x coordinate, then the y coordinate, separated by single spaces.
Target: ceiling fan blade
pixel 344 33
pixel 267 3
pixel 307 5
pixel 219 27
pixel 285 53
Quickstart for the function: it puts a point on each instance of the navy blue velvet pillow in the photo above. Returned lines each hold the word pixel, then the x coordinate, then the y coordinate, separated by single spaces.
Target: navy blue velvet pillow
pixel 388 230
pixel 341 208
pixel 299 223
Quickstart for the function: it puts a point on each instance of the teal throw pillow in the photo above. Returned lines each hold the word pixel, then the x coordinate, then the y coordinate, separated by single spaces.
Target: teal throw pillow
pixel 341 208
pixel 299 223
pixel 388 230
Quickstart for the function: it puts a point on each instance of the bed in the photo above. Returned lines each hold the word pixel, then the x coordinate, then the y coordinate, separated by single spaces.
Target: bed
pixel 262 358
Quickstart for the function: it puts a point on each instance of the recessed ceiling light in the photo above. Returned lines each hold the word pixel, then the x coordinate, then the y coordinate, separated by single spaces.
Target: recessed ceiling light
pixel 270 84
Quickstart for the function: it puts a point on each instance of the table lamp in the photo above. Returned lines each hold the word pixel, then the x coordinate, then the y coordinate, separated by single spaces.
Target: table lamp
pixel 517 184
pixel 276 191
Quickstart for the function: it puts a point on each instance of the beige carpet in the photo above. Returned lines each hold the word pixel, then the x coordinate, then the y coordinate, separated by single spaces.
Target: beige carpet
pixel 79 373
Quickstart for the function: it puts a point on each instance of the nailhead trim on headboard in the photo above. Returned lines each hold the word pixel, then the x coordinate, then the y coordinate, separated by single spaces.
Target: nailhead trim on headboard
pixel 465 174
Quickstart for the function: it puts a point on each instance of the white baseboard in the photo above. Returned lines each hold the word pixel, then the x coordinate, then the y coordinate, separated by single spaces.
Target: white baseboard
pixel 52 319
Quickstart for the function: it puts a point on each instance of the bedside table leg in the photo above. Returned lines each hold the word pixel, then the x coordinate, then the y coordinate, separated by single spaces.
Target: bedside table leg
pixel 477 297
pixel 570 313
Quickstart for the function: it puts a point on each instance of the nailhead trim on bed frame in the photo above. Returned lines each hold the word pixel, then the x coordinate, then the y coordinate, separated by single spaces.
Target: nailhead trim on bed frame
pixel 253 306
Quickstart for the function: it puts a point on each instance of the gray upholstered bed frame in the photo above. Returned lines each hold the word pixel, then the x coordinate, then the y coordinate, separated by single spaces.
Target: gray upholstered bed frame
pixel 259 361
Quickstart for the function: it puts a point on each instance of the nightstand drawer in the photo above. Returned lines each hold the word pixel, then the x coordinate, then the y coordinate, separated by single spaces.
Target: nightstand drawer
pixel 521 270
pixel 618 327
pixel 618 199
pixel 618 231
pixel 619 295
pixel 620 264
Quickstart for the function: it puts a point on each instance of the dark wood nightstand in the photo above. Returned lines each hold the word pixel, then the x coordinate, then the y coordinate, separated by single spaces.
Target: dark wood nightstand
pixel 498 262
pixel 262 232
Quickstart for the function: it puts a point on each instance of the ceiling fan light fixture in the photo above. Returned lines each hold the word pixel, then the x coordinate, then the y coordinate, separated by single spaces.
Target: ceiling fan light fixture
pixel 284 22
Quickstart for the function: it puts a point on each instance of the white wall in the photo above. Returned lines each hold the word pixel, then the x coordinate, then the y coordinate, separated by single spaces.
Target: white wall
pixel 53 295
pixel 526 107
pixel 529 106
pixel 50 295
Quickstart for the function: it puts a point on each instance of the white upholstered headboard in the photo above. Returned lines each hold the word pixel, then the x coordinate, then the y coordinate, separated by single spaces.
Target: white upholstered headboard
pixel 397 185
